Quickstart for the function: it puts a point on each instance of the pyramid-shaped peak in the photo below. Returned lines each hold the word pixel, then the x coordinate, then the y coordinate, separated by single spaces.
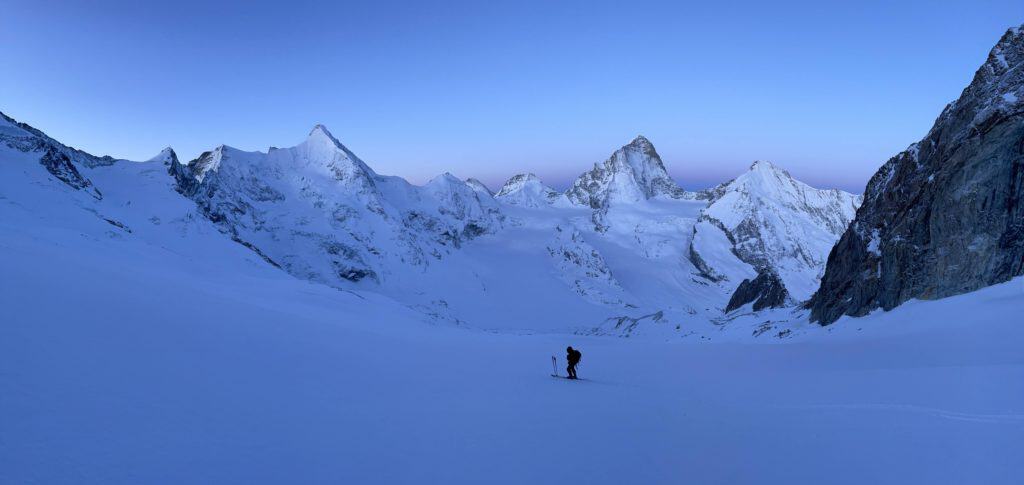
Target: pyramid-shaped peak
pixel 765 165
pixel 166 155
pixel 525 177
pixel 320 129
pixel 321 134
pixel 643 145
pixel 640 139
pixel 445 178
pixel 765 170
pixel 640 142
pixel 516 183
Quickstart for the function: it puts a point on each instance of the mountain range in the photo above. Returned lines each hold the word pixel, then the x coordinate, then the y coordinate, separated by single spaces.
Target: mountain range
pixel 623 243
pixel 624 239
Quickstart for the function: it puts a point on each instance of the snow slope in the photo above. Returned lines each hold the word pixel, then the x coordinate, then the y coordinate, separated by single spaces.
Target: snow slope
pixel 145 360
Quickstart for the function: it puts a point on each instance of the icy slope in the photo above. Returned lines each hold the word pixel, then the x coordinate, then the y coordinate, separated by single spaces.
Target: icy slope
pixel 765 220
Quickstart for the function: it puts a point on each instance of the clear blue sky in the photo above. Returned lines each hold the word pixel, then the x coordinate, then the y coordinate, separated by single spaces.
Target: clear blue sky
pixel 828 90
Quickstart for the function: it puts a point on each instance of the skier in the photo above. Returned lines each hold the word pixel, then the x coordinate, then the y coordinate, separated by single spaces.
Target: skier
pixel 572 356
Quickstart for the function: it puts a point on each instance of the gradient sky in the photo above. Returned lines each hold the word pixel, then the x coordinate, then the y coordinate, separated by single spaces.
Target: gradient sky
pixel 490 89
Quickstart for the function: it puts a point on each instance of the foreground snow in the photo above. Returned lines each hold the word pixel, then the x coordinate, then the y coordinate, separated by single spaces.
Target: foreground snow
pixel 132 360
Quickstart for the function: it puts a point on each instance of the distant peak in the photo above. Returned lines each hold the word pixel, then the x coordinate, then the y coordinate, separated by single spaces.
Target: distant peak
pixel 166 155
pixel 447 176
pixel 322 133
pixel 318 128
pixel 516 182
pixel 766 166
pixel 525 177
pixel 640 141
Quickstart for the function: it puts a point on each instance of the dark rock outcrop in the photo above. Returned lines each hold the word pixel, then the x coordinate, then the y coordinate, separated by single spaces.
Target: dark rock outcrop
pixel 946 216
pixel 766 291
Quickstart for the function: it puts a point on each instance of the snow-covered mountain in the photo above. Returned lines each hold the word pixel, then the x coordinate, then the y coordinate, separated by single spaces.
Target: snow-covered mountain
pixel 527 190
pixel 317 211
pixel 765 220
pixel 633 173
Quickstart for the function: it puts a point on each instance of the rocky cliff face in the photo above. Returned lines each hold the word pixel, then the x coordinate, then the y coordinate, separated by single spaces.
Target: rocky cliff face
pixel 765 291
pixel 946 216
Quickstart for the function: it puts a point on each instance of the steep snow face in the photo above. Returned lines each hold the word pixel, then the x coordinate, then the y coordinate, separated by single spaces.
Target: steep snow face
pixel 526 190
pixel 945 216
pixel 167 157
pixel 479 186
pixel 770 221
pixel 633 173
pixel 319 212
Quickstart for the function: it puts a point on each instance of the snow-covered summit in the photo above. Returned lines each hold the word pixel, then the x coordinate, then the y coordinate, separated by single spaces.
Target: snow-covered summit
pixel 773 222
pixel 527 190
pixel 633 173
pixel 166 157
pixel 320 213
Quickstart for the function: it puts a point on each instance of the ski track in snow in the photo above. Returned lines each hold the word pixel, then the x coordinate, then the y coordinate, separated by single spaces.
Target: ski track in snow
pixel 1011 419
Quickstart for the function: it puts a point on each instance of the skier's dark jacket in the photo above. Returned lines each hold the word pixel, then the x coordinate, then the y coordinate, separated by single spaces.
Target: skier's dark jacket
pixel 574 357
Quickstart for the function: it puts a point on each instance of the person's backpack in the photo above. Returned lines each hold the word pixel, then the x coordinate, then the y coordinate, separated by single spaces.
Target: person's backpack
pixel 579 355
